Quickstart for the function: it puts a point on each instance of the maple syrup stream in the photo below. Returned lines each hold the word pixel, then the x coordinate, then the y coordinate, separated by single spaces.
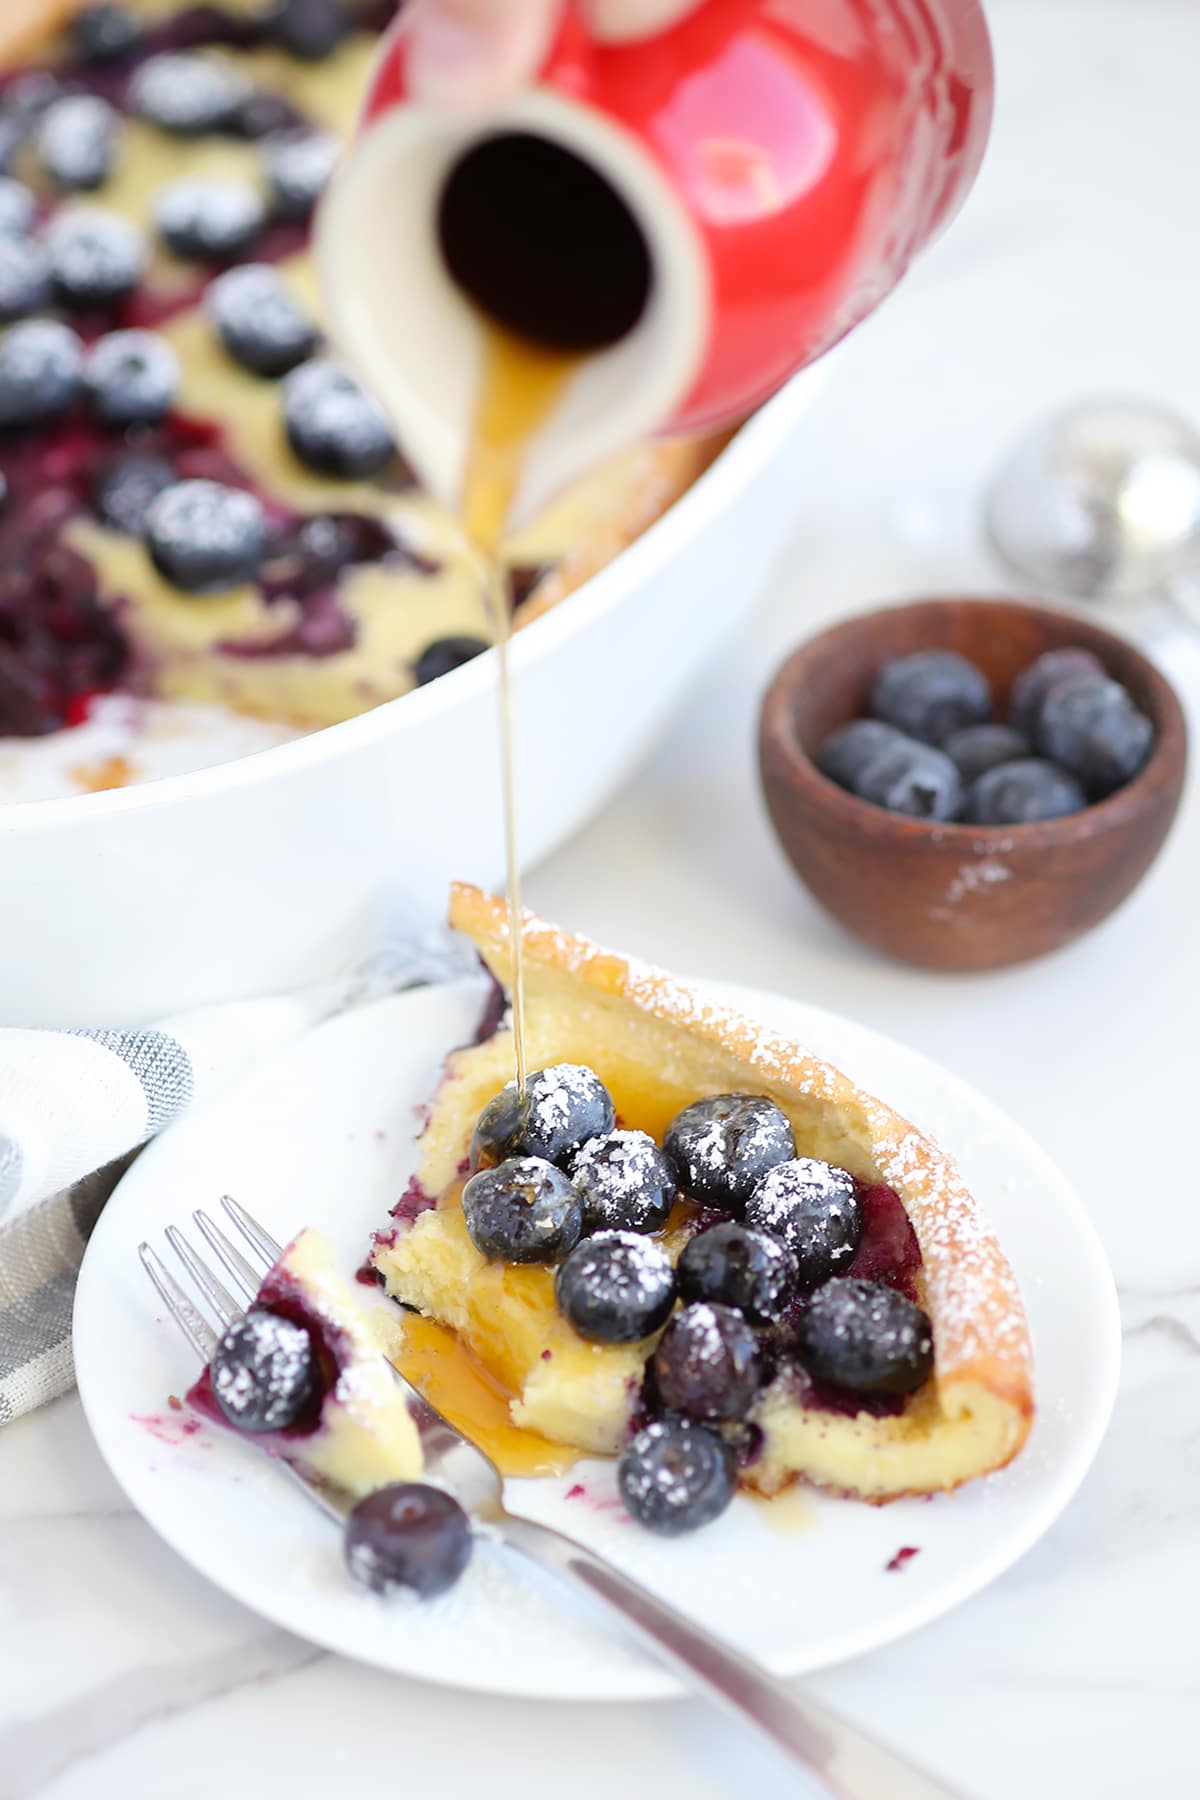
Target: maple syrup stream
pixel 520 385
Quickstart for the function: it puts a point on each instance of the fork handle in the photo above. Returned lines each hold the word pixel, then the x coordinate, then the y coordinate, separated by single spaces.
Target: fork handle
pixel 852 1765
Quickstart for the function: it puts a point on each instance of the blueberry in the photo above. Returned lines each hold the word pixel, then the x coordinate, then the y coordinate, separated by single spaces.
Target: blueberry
pixel 104 34
pixel 930 694
pixel 723 1146
pixel 735 1266
pixel 18 206
pixel 408 1535
pixel 131 377
pixel 812 1207
pixel 298 164
pixel 264 1372
pixel 1022 793
pixel 708 1363
pixel 309 29
pixel 205 537
pixel 262 114
pixel 845 753
pixel 206 220
pixel 560 1109
pixel 625 1181
pixel 24 100
pixel 96 256
pixel 913 779
pixel 259 321
pixel 125 487
pixel 1094 728
pixel 11 139
pixel 331 424
pixel 1032 685
pixel 445 654
pixel 77 140
pixel 25 284
pixel 186 93
pixel 675 1477
pixel 41 366
pixel 977 748
pixel 866 1337
pixel 522 1211
pixel 616 1288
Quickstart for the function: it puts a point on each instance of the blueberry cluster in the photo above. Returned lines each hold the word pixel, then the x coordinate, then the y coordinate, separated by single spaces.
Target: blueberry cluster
pixel 556 1180
pixel 932 748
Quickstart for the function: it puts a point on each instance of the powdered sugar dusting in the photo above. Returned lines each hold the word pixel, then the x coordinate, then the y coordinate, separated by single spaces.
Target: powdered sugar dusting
pixel 972 1292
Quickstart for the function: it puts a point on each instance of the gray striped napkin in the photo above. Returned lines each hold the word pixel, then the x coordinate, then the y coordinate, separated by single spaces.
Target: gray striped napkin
pixel 76 1106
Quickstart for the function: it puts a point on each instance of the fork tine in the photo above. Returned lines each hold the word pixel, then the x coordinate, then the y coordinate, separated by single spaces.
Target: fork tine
pixel 215 1292
pixel 254 1234
pixel 194 1326
pixel 238 1268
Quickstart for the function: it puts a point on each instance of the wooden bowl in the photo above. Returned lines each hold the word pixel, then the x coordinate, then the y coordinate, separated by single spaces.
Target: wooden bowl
pixel 960 896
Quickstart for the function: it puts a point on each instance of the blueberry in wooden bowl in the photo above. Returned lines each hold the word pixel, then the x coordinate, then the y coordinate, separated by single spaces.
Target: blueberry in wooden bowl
pixel 976 848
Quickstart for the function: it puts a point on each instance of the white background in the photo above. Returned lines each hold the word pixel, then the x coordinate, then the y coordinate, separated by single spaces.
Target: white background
pixel 1074 270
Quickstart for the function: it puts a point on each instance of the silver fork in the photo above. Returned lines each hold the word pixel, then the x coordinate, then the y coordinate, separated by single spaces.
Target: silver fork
pixel 851 1764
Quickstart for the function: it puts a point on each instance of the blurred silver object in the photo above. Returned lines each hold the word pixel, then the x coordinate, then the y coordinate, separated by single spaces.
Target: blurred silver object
pixel 1101 502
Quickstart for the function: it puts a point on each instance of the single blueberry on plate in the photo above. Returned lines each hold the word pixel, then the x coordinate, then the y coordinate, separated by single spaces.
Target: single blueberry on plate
pixel 625 1181
pixel 41 364
pixel 298 163
pixel 445 654
pixel 259 320
pixel 977 748
pixel 733 1265
pixel 332 425
pixel 186 93
pixel 96 256
pixel 408 1535
pixel 1094 727
pixel 522 1211
pixel 25 284
pixel 264 1372
pixel 708 1363
pixel 131 377
pixel 930 694
pixel 104 34
pixel 76 140
pixel 866 1337
pixel 676 1476
pixel 561 1107
pixel 125 488
pixel 616 1288
pixel 722 1147
pixel 208 220
pixel 845 753
pixel 18 206
pixel 205 537
pixel 1028 693
pixel 913 779
pixel 1023 793
pixel 309 29
pixel 812 1207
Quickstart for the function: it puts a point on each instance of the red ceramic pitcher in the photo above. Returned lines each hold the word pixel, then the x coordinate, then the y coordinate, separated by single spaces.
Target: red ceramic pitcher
pixel 783 160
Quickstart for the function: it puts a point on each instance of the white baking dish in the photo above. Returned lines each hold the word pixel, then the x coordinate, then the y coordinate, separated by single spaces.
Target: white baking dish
pixel 120 907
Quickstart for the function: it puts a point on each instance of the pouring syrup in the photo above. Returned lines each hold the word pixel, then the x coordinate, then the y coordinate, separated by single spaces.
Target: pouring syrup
pixel 557 269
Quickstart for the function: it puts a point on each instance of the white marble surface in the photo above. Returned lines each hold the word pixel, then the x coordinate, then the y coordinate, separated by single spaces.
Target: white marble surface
pixel 1075 269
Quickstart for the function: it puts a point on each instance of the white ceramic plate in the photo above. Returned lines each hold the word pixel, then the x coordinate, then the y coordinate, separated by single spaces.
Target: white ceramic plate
pixel 325 1136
